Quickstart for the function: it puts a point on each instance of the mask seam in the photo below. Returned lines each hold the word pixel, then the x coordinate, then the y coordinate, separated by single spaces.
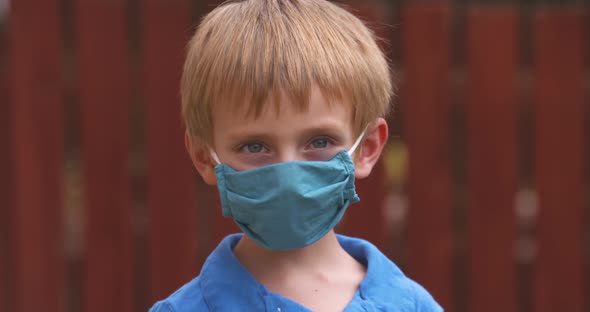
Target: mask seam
pixel 222 185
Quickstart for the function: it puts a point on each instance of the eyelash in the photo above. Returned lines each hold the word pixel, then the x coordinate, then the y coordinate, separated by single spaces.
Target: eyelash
pixel 244 147
pixel 329 142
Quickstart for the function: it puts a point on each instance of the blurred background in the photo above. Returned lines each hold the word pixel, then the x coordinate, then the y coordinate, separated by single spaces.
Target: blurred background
pixel 481 194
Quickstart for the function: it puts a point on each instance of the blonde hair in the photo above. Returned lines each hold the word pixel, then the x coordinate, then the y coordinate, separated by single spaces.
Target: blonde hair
pixel 245 51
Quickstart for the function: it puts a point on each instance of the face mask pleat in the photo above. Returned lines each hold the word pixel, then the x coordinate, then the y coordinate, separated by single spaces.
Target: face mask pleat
pixel 288 205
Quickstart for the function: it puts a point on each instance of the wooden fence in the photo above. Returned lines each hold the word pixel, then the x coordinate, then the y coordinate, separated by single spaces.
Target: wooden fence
pixel 100 209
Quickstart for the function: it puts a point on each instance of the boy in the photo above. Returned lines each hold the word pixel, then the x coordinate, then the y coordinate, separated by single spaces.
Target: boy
pixel 284 101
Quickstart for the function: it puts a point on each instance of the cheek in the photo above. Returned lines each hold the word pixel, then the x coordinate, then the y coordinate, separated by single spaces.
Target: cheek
pixel 252 164
pixel 244 161
pixel 322 155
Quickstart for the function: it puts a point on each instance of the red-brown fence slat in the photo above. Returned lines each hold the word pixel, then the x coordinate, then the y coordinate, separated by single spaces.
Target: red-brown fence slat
pixel 559 44
pixel 104 98
pixel 37 154
pixel 171 200
pixel 492 157
pixel 6 182
pixel 425 103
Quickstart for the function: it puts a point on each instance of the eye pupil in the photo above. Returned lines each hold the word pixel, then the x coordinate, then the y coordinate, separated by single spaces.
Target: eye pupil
pixel 320 143
pixel 254 148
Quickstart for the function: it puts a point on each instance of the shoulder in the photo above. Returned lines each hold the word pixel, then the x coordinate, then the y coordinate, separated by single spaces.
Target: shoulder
pixel 422 300
pixel 222 284
pixel 394 291
pixel 187 298
pixel 385 285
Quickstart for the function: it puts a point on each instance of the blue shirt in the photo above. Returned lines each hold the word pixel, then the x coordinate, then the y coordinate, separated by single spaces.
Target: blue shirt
pixel 225 285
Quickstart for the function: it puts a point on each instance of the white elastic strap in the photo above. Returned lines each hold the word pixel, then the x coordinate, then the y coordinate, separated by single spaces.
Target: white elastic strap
pixel 358 141
pixel 350 151
pixel 215 157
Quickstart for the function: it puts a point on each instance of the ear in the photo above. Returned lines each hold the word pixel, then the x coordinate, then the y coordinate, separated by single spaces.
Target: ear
pixel 371 148
pixel 201 158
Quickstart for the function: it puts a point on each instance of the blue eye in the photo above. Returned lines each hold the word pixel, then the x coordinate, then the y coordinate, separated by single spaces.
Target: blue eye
pixel 320 143
pixel 253 148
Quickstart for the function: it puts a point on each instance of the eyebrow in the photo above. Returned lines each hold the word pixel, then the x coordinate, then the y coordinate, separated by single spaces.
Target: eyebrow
pixel 330 129
pixel 257 136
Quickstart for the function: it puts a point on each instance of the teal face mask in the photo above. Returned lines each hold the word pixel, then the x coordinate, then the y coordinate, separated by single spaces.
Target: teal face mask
pixel 288 205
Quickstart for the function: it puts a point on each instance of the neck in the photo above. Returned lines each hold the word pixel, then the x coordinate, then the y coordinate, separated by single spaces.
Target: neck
pixel 319 256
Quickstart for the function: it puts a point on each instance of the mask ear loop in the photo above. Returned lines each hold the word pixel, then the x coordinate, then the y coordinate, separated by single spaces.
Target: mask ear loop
pixel 357 142
pixel 215 157
pixel 350 151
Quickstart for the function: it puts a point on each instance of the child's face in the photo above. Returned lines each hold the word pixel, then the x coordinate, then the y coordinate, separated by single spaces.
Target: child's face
pixel 319 133
pixel 244 142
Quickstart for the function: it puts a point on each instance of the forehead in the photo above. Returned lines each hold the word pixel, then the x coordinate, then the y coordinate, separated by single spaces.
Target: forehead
pixel 280 115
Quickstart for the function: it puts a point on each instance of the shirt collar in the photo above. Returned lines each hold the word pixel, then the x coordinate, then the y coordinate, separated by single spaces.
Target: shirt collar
pixel 218 280
pixel 222 269
pixel 375 290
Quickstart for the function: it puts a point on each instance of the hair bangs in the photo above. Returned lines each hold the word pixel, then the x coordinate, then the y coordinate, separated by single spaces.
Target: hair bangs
pixel 248 55
pixel 266 61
